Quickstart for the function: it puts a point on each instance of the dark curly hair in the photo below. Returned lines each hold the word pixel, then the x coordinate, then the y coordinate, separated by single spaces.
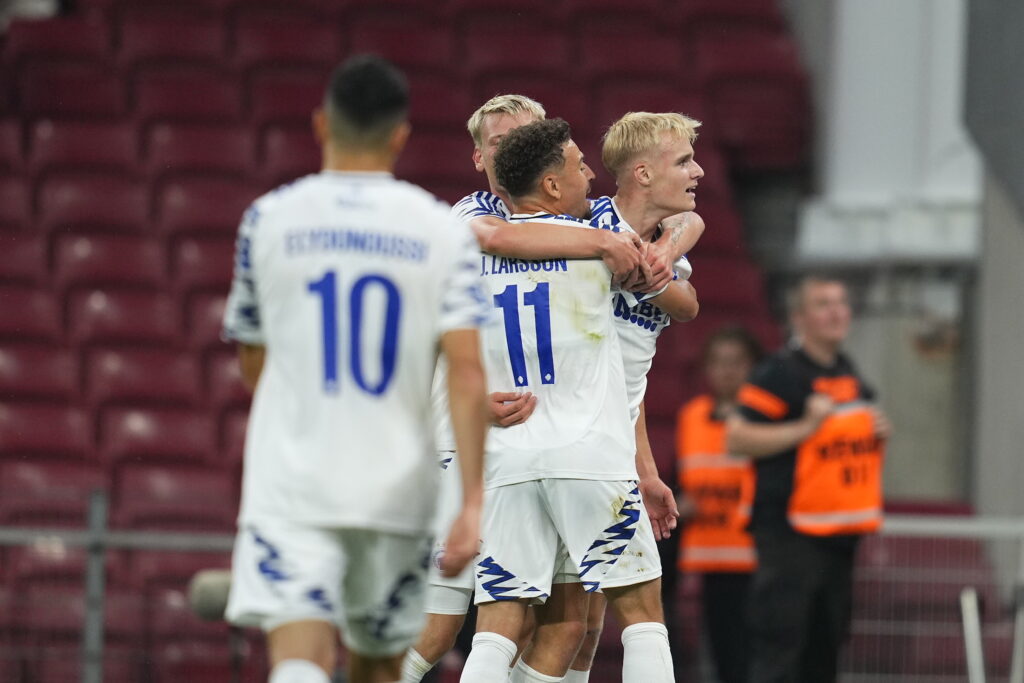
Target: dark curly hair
pixel 525 153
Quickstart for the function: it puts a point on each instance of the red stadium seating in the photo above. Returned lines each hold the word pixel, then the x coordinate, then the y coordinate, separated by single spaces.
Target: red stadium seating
pixel 202 662
pixel 24 258
pixel 171 618
pixel 233 437
pixel 203 264
pixel 49 612
pixel 103 260
pixel 285 96
pixel 439 102
pixel 413 42
pixel 728 285
pixel 15 208
pixel 59 664
pixel 289 153
pixel 556 94
pixel 11 153
pixel 114 316
pixel 70 91
pixel 186 94
pixel 161 34
pixel 29 315
pixel 38 492
pixel 277 39
pixel 152 376
pixel 538 48
pixel 63 145
pixel 96 202
pixel 198 149
pixel 29 429
pixel 152 569
pixel 38 372
pixel 639 52
pixel 172 435
pixel 225 387
pixel 203 206
pixel 724 232
pixel 174 497
pixel 52 561
pixel 441 158
pixel 725 20
pixel 616 97
pixel 68 38
pixel 204 319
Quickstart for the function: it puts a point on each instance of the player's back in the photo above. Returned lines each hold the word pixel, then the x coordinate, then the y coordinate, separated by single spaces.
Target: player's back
pixel 554 337
pixel 348 273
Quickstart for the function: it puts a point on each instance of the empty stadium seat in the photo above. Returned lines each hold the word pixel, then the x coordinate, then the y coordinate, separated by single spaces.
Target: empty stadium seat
pixel 111 316
pixel 134 376
pixel 29 315
pixel 101 260
pixel 205 319
pixel 203 206
pixel 52 561
pixel 174 496
pixel 62 663
pixel 276 39
pixel 36 491
pixel 24 258
pixel 88 201
pixel 414 42
pixel 289 153
pixel 15 208
pixel 440 158
pixel 225 388
pixel 538 48
pixel 186 94
pixel 202 662
pixel 724 232
pixel 32 429
pixel 639 52
pixel 726 20
pixel 34 371
pixel 11 154
pixel 172 435
pixel 285 96
pixel 203 264
pixel 51 612
pixel 727 284
pixel 152 569
pixel 63 38
pixel 439 102
pixel 63 145
pixel 199 149
pixel 497 10
pixel 70 91
pixel 171 618
pixel 163 34
pixel 615 98
pixel 233 436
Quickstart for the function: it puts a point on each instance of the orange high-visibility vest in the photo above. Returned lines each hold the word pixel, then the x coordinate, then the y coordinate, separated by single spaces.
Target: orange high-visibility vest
pixel 837 484
pixel 721 486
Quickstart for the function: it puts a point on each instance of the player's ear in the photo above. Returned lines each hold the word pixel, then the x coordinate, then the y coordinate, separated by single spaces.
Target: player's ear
pixel 399 136
pixel 478 160
pixel 642 173
pixel 549 186
pixel 321 130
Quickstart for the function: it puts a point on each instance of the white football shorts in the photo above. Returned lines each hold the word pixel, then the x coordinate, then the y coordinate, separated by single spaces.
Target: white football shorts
pixel 448 595
pixel 532 530
pixel 370 584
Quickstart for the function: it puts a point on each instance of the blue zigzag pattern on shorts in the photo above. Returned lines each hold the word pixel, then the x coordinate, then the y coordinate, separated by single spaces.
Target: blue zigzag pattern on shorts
pixel 501 584
pixel 612 542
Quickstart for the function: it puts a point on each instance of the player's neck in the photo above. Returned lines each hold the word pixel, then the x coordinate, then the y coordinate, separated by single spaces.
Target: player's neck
pixel 531 205
pixel 821 352
pixel 502 195
pixel 357 160
pixel 641 216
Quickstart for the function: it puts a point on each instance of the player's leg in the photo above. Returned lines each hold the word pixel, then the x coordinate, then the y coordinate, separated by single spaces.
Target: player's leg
pixel 498 624
pixel 446 613
pixel 285 579
pixel 561 624
pixel 579 671
pixel 383 588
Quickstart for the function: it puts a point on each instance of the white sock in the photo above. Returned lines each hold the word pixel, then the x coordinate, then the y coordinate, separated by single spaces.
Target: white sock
pixel 646 657
pixel 574 676
pixel 523 673
pixel 298 671
pixel 414 668
pixel 489 660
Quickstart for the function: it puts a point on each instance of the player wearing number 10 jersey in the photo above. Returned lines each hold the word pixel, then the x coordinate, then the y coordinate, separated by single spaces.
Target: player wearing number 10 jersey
pixel 352 281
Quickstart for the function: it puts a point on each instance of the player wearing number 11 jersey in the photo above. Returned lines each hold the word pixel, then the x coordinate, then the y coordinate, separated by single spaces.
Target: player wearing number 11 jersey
pixel 352 282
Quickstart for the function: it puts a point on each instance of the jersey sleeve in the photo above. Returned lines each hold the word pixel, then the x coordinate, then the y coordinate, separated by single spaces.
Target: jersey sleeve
pixel 771 394
pixel 480 204
pixel 683 269
pixel 242 312
pixel 464 305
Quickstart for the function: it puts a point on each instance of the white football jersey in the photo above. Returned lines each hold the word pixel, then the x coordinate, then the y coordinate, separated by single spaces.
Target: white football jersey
pixel 638 325
pixel 348 280
pixel 553 336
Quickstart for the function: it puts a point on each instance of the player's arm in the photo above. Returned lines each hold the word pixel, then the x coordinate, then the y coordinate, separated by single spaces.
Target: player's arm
pixel 250 358
pixel 765 439
pixel 679 301
pixel 658 497
pixel 680 234
pixel 467 403
pixel 620 251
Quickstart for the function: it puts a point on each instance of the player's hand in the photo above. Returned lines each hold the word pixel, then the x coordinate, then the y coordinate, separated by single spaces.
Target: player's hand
pixel 509 408
pixel 883 426
pixel 463 542
pixel 661 269
pixel 817 408
pixel 661 506
pixel 621 253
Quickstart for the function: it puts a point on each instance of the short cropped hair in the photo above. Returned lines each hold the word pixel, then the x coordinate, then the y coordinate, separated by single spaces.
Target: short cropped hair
pixel 527 152
pixel 795 293
pixel 502 104
pixel 639 132
pixel 366 99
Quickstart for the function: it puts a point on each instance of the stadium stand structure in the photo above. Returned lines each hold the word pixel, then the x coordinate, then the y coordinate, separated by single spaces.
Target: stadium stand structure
pixel 133 135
